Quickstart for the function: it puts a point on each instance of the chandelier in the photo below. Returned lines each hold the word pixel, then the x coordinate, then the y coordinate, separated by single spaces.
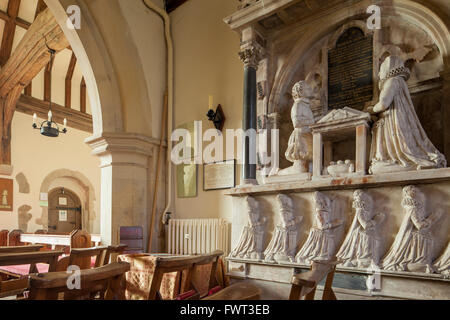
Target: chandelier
pixel 49 128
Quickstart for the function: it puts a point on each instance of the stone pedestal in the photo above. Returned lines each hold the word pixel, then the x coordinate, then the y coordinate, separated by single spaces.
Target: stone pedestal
pixel 338 125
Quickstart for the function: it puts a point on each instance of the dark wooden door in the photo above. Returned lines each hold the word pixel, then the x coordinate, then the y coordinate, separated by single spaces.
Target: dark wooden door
pixel 64 211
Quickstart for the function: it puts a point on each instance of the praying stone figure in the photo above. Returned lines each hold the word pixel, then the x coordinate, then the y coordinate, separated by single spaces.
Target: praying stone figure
pixel 399 143
pixel 284 241
pixel 323 238
pixel 442 264
pixel 250 244
pixel 299 149
pixel 361 248
pixel 413 246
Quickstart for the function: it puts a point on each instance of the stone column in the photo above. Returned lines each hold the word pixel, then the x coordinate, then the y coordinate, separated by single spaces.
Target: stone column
pixel 361 149
pixel 250 55
pixel 124 187
pixel 317 155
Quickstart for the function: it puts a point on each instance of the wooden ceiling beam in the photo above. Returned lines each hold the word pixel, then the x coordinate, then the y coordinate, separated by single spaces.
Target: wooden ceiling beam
pixel 41 6
pixel 83 96
pixel 31 55
pixel 9 31
pixel 69 76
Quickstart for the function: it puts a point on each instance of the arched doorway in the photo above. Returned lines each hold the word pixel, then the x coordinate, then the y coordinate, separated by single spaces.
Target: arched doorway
pixel 64 211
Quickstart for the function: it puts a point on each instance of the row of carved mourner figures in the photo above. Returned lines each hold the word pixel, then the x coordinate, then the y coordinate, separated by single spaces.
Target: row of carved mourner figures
pixel 412 249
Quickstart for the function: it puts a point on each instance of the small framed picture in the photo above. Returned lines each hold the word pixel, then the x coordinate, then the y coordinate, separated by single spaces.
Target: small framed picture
pixel 219 175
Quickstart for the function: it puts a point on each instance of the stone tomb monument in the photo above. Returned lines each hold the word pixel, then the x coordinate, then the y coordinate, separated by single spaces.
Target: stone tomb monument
pixel 381 206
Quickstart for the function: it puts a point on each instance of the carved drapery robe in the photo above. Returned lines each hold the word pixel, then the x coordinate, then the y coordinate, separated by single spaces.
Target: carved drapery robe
pixel 360 247
pixel 398 136
pixel 442 264
pixel 300 141
pixel 283 243
pixel 413 246
pixel 322 240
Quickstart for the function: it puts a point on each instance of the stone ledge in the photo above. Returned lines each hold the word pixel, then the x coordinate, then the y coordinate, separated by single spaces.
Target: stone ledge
pixel 397 274
pixel 354 182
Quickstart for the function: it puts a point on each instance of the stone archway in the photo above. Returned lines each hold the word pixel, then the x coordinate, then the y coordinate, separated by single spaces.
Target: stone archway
pixel 96 66
pixel 77 182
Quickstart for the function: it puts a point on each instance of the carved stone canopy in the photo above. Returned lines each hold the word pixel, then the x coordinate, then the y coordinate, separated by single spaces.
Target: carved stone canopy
pixel 341 119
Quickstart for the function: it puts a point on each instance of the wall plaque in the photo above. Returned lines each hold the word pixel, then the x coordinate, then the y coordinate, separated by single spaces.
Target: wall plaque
pixel 219 175
pixel 6 195
pixel 350 70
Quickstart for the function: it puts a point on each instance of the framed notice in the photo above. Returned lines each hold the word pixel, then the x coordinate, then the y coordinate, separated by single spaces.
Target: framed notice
pixel 62 215
pixel 6 195
pixel 219 175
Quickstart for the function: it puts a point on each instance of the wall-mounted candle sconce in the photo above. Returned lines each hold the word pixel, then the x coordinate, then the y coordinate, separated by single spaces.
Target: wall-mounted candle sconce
pixel 217 117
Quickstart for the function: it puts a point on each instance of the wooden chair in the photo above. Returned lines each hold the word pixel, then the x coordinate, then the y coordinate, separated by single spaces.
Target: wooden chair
pixel 14 238
pixel 108 279
pixel 133 237
pixel 4 238
pixel 18 285
pixel 305 284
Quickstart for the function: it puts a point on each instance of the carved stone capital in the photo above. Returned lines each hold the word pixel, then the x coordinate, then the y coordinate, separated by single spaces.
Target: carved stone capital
pixel 251 55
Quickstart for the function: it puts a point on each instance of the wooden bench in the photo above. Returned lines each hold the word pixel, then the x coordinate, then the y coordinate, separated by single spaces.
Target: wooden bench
pixel 305 284
pixel 237 291
pixel 20 284
pixel 107 279
pixel 21 249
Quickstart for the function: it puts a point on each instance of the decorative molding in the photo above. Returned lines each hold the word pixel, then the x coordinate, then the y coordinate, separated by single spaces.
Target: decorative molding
pixel 344 114
pixel 251 55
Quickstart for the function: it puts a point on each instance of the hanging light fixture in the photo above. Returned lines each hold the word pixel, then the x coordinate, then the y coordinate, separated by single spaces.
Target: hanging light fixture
pixel 49 128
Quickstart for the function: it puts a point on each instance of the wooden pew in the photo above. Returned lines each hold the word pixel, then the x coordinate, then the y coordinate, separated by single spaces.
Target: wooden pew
pixel 178 264
pixel 76 239
pixel 305 284
pixel 19 285
pixel 4 238
pixel 113 252
pixel 108 279
pixel 21 249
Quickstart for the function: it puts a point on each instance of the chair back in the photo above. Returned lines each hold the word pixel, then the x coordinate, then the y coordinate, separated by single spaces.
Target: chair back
pixel 133 237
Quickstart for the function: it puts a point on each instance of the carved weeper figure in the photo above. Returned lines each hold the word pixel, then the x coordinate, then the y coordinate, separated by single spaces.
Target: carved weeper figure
pixel 251 241
pixel 399 141
pixel 299 149
pixel 361 246
pixel 413 246
pixel 284 241
pixel 322 240
pixel 442 264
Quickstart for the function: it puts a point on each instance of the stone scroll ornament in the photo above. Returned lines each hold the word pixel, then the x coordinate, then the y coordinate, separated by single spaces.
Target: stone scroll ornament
pixel 442 264
pixel 323 238
pixel 282 247
pixel 413 246
pixel 361 247
pixel 299 149
pixel 250 244
pixel 399 143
